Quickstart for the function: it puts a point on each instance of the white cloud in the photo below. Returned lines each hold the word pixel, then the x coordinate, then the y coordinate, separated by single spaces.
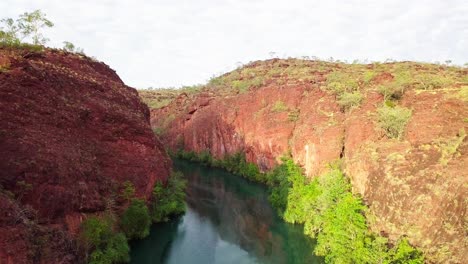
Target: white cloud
pixel 182 42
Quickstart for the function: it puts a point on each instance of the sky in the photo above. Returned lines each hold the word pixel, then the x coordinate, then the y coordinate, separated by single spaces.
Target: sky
pixel 171 43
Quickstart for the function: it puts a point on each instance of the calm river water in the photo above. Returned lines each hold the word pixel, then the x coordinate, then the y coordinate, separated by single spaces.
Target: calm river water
pixel 228 220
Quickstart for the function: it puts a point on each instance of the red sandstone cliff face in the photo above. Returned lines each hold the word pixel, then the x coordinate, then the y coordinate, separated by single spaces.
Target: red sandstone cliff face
pixel 415 186
pixel 71 133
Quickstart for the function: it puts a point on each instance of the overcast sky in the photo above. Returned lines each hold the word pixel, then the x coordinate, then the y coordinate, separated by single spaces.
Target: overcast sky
pixel 162 43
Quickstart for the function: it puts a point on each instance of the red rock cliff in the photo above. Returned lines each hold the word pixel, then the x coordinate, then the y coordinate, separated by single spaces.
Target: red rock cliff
pixel 415 186
pixel 71 133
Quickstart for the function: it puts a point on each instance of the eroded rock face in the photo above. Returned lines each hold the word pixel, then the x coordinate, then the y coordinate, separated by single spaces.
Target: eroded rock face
pixel 71 133
pixel 415 186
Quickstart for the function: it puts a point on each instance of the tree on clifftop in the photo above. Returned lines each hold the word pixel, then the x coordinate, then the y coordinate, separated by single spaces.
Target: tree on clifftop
pixel 13 32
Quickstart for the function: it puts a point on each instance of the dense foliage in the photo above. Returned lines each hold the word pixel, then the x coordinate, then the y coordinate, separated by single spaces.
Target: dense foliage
pixel 106 245
pixel 393 120
pixel 136 221
pixel 168 200
pixel 334 216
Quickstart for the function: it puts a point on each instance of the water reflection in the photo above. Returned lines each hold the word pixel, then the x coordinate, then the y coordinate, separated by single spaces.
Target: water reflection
pixel 228 220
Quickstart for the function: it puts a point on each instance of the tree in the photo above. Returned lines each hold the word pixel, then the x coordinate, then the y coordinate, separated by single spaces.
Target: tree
pixel 9 34
pixel 13 32
pixel 70 47
pixel 136 220
pixel 128 191
pixel 30 24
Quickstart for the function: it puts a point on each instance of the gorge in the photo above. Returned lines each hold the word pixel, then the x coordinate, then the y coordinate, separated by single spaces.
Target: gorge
pixel 384 144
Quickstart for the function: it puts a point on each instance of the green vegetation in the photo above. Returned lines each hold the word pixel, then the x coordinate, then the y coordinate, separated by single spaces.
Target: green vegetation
pixel 395 89
pixel 136 221
pixel 26 32
pixel 340 82
pixel 350 100
pixel 168 200
pixel 279 107
pixel 334 216
pixel 330 212
pixel 393 120
pixel 116 251
pixel 27 26
pixel 257 74
pixel 70 47
pixel 128 191
pixel 404 253
pixel 161 97
pixel 235 163
pixel 106 245
pixel 346 87
pixel 449 147
pixel 105 237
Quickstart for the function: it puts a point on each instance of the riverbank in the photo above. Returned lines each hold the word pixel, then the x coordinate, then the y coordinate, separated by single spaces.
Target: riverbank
pixel 228 220
pixel 326 206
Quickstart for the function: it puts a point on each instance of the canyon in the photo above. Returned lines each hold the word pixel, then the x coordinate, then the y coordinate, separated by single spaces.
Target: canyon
pixel 73 136
pixel 414 179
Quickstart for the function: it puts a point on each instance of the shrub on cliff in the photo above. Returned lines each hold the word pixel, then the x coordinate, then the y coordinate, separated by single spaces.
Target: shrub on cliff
pixel 348 100
pixel 116 251
pixel 96 231
pixel 393 120
pixel 136 221
pixel 168 200
pixel 404 253
pixel 106 245
pixel 279 107
pixel 340 82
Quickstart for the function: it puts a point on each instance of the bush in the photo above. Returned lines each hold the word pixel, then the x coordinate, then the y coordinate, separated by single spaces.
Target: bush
pixel 404 253
pixel 396 88
pixel 106 245
pixel 128 191
pixel 340 82
pixel 391 91
pixel 136 221
pixel 393 120
pixel 168 200
pixel 96 231
pixel 349 100
pixel 116 251
pixel 279 107
pixel 431 81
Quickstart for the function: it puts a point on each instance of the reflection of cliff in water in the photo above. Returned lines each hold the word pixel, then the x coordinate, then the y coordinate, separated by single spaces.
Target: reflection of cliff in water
pixel 242 215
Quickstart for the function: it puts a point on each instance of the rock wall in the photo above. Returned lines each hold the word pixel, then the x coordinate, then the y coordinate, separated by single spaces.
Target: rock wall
pixel 71 133
pixel 414 187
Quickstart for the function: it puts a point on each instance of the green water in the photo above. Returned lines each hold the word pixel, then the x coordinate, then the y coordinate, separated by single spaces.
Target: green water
pixel 228 220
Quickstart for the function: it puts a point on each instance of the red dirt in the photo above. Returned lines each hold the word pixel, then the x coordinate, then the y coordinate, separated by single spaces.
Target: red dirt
pixel 73 132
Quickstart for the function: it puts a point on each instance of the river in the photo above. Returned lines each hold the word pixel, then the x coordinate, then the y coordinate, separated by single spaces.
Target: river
pixel 228 220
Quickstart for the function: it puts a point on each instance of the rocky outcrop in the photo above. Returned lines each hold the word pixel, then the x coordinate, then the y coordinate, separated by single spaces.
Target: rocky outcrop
pixel 414 186
pixel 71 133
